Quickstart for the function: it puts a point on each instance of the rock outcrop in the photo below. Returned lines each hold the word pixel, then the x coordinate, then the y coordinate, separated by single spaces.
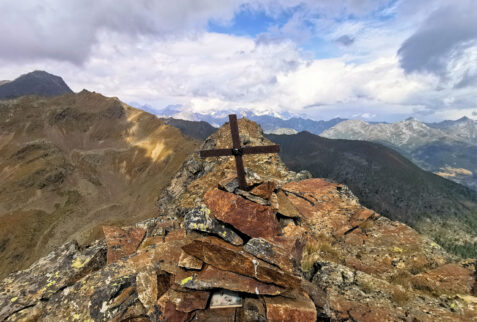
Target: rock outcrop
pixel 313 253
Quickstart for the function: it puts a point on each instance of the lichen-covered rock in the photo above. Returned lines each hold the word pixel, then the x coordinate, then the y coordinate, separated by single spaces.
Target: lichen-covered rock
pixel 59 269
pixel 200 219
pixel 248 217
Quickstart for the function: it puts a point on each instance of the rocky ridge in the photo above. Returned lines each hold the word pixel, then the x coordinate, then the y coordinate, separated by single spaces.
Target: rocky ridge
pixel 292 247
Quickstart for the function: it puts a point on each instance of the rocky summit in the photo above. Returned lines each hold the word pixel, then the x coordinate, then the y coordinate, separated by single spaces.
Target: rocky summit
pixel 291 248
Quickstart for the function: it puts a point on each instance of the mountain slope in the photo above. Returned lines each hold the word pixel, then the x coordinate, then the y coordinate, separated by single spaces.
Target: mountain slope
pixel 35 83
pixel 464 128
pixel 72 163
pixel 442 148
pixel 390 184
pixel 198 130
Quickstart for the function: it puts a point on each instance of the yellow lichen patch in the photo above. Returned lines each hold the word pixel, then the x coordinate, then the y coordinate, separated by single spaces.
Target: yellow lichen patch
pixel 397 250
pixel 77 263
pixel 186 280
pixel 14 299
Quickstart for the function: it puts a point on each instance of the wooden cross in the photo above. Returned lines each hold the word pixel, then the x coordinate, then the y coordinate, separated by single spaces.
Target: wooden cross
pixel 238 151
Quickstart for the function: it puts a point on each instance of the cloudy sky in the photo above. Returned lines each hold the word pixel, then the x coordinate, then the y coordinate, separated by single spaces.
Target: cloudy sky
pixel 379 60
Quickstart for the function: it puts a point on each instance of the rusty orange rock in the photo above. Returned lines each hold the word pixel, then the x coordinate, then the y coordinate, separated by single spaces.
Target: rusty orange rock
pixel 122 241
pixel 248 217
pixel 281 309
pixel 264 190
pixel 187 300
pixel 285 207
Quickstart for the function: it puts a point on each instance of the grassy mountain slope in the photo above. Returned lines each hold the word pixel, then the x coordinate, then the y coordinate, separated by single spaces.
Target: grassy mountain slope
pixel 390 184
pixel 72 163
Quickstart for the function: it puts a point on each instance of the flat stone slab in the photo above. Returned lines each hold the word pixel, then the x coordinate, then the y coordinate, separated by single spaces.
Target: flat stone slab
pixel 213 278
pixel 248 217
pixel 234 259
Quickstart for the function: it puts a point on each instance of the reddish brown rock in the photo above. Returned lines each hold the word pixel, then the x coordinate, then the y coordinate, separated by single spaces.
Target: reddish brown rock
pixel 215 315
pixel 290 309
pixel 285 207
pixel 187 300
pixel 168 311
pixel 122 241
pixel 189 262
pixel 250 218
pixel 293 244
pixel 211 278
pixel 178 234
pixel 362 312
pixel 270 253
pixel 217 253
pixel 264 190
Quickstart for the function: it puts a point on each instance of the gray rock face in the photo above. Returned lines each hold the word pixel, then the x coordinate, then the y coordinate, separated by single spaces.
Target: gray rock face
pixel 34 83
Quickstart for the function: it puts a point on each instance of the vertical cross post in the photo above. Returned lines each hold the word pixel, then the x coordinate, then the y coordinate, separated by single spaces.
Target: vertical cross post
pixel 238 151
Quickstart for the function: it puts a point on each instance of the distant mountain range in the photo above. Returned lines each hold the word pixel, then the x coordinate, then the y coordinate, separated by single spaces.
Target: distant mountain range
pixel 448 148
pixel 35 83
pixel 269 123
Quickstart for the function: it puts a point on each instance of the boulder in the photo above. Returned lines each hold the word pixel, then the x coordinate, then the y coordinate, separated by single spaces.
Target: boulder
pixel 248 217
pixel 199 219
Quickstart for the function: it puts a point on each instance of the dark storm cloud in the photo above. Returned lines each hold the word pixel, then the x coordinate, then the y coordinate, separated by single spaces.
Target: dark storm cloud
pixel 444 36
pixel 345 40
pixel 67 30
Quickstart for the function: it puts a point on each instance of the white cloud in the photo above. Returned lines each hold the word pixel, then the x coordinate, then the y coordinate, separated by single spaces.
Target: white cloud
pixel 158 53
